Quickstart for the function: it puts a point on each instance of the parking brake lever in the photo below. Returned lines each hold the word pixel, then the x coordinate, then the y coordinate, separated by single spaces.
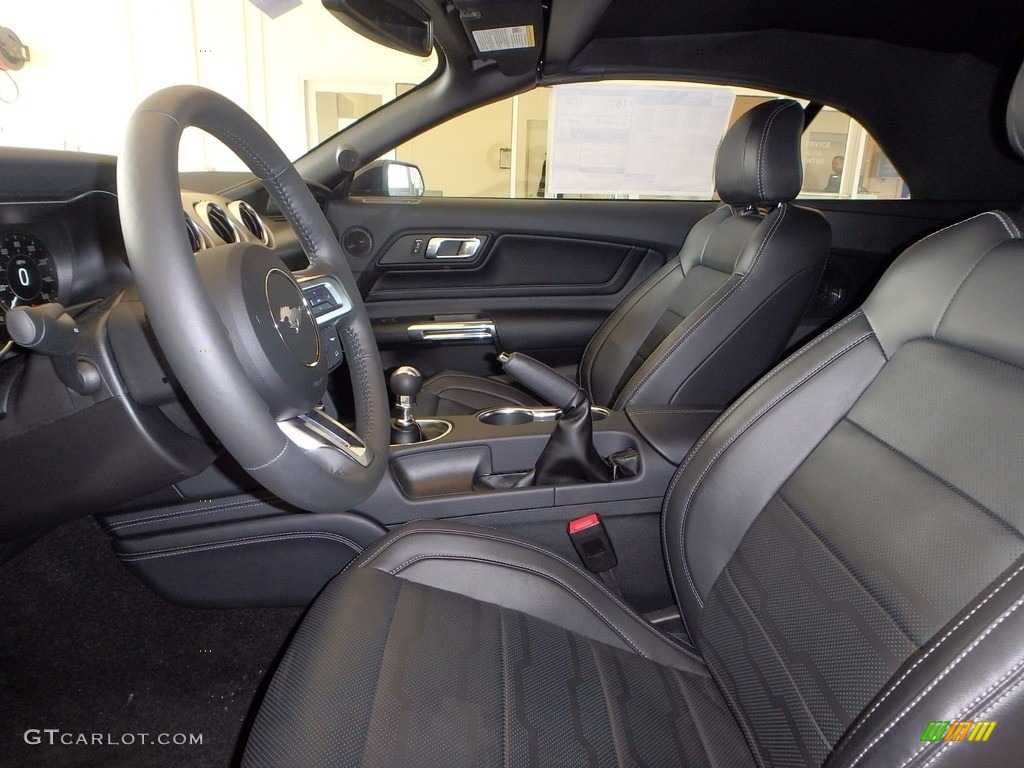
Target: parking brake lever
pixel 547 383
pixel 570 455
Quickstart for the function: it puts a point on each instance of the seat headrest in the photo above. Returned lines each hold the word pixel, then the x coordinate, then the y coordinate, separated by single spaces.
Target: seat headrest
pixel 759 157
pixel 1015 114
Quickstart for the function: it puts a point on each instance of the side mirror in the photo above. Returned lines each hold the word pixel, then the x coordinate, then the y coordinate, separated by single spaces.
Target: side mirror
pixel 388 178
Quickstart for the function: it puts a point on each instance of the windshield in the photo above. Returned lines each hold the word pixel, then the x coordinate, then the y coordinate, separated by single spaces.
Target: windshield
pixel 301 73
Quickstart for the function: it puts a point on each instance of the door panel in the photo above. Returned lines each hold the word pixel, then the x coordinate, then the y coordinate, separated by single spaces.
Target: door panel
pixel 546 272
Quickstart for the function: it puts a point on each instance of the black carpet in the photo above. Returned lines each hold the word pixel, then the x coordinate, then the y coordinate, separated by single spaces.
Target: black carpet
pixel 87 649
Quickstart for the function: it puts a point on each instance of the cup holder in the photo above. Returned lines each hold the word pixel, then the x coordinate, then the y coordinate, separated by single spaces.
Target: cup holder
pixel 506 417
pixel 512 417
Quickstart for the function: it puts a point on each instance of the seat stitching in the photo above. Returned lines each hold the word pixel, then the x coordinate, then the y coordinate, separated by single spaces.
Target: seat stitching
pixel 764 140
pixel 777 399
pixel 747 317
pixel 242 541
pixel 958 223
pixel 193 511
pixel 519 566
pixel 707 240
pixel 766 378
pixel 650 411
pixel 729 411
pixel 991 513
pixel 935 681
pixel 830 547
pixel 932 650
pixel 1008 223
pixel 620 757
pixel 966 709
pixel 622 401
pixel 622 311
pixel 555 556
pixel 506 709
pixel 693 328
pixel 980 716
pixel 960 285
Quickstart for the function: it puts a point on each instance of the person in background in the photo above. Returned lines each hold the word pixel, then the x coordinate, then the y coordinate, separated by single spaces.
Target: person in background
pixel 837 175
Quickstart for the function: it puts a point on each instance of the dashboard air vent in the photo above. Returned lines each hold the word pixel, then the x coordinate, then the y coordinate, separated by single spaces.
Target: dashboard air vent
pixel 220 223
pixel 251 220
pixel 195 236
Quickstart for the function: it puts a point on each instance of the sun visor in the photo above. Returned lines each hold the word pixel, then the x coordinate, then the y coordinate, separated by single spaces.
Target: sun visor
pixel 507 32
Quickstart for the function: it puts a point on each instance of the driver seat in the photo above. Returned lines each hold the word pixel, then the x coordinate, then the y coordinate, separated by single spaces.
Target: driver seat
pixel 846 546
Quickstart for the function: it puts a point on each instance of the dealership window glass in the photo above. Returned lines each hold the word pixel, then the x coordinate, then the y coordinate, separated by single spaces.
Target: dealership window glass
pixel 297 70
pixel 627 140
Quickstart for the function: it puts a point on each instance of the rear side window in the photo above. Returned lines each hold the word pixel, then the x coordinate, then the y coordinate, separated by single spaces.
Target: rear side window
pixel 629 140
pixel 842 160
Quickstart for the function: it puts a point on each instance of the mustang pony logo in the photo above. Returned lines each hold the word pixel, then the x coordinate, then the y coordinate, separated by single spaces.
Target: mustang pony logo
pixel 293 315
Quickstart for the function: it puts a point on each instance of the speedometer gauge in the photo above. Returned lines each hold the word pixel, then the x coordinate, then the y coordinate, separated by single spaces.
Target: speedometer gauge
pixel 27 273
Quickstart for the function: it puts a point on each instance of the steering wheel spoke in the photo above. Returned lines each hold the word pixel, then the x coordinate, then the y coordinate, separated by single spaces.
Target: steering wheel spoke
pixel 318 430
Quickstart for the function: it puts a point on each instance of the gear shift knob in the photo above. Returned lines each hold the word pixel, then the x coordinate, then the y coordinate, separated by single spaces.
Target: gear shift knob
pixel 407 381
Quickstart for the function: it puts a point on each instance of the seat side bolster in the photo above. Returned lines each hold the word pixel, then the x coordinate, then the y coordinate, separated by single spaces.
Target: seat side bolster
pixel 761 439
pixel 515 573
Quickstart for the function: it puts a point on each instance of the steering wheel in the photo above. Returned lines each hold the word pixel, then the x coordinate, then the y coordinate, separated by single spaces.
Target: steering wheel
pixel 234 324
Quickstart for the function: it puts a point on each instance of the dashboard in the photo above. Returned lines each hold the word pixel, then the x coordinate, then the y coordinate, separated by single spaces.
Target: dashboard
pixel 72 444
pixel 62 243
pixel 67 251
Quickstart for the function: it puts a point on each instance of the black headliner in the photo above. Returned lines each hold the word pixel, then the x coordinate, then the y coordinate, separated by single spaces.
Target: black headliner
pixel 990 30
pixel 929 80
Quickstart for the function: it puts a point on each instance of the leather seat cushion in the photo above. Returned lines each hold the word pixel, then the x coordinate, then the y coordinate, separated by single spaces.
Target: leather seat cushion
pixel 387 672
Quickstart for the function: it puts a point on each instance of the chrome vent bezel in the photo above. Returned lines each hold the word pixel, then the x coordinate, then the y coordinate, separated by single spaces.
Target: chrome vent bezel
pixel 196 238
pixel 251 220
pixel 218 220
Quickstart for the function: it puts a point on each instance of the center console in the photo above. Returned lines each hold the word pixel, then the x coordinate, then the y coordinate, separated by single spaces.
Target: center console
pixel 220 543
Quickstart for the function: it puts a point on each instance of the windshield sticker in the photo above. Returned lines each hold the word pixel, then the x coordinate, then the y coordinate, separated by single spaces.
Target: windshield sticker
pixel 504 38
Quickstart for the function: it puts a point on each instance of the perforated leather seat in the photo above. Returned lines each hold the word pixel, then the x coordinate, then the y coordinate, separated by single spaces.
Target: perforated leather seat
pixel 719 313
pixel 846 545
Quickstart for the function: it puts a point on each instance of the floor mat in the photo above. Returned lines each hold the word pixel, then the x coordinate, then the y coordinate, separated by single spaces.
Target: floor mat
pixel 88 655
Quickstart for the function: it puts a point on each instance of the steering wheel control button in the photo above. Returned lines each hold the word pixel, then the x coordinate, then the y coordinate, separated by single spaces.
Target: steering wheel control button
pixel 331 344
pixel 292 317
pixel 326 298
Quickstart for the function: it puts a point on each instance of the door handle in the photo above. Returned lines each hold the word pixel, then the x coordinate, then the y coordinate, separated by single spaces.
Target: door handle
pixel 453 247
pixel 452 330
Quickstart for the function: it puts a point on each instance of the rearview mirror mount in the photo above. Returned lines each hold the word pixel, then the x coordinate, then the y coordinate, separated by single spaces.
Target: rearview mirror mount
pixel 399 24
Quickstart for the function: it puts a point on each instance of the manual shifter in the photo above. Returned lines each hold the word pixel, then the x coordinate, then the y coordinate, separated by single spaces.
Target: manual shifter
pixel 406 382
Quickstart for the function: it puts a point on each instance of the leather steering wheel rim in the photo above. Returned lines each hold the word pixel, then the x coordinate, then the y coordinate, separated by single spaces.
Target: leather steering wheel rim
pixel 191 329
